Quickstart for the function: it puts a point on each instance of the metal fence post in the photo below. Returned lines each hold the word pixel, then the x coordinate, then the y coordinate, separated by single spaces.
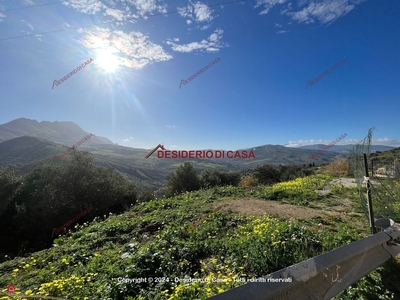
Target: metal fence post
pixel 370 210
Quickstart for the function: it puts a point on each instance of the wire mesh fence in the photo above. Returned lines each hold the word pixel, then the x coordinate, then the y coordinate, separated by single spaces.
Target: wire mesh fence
pixel 383 179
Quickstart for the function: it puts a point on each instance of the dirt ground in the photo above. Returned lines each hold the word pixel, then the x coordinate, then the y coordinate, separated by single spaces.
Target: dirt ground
pixel 257 207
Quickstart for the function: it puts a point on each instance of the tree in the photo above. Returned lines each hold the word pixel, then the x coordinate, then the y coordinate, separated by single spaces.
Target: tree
pixel 210 179
pixel 51 194
pixel 183 180
pixel 213 178
pixel 267 174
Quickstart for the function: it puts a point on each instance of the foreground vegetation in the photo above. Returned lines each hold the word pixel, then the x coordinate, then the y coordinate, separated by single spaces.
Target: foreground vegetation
pixel 190 235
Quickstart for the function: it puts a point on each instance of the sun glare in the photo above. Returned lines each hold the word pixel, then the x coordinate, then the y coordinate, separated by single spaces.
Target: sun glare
pixel 107 60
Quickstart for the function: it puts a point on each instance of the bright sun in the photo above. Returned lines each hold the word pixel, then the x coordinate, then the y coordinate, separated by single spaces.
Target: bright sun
pixel 107 60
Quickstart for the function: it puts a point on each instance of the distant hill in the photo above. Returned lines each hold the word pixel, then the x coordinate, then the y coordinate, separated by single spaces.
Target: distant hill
pixel 344 148
pixel 385 158
pixel 65 133
pixel 25 152
pixel 25 142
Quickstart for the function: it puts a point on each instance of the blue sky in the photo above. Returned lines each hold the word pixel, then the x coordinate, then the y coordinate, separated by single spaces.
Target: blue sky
pixel 255 95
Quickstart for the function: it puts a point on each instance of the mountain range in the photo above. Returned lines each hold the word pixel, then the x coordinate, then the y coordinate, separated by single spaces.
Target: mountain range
pixel 25 142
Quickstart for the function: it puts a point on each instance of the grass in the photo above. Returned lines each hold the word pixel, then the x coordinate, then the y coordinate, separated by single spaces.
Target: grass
pixel 157 239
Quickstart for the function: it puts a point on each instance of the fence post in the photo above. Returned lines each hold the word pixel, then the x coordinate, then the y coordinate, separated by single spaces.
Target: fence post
pixel 370 210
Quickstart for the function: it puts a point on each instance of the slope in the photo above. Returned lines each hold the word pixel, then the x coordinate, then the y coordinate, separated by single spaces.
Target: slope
pixel 171 239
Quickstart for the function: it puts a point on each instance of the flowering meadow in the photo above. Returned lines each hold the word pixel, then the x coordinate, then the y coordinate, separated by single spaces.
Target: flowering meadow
pixel 299 191
pixel 153 239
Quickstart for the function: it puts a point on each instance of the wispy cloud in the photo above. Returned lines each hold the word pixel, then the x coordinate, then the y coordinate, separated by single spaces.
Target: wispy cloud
pixel 268 4
pixel 386 142
pixel 171 126
pixel 128 139
pixel 144 7
pixel 212 44
pixel 29 25
pixel 86 6
pixel 324 11
pixel 345 141
pixel 314 142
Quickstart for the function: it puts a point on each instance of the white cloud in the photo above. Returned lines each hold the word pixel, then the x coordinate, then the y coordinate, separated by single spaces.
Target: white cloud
pixel 268 4
pixel 202 12
pixel 282 31
pixel 147 6
pixel 127 139
pixel 86 6
pixel 344 141
pixel 325 11
pixel 211 44
pixel 313 142
pixel 29 25
pixel 386 142
pixel 198 12
pixel 116 14
pixel 205 27
pixel 171 126
pixel 133 50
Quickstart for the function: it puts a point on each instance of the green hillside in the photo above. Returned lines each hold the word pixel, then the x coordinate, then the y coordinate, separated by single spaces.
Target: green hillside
pixel 223 233
pixel 26 152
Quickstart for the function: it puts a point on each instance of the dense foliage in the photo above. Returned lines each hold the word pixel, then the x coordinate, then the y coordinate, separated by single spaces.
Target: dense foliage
pixel 268 174
pixel 184 179
pixel 50 195
pixel 212 178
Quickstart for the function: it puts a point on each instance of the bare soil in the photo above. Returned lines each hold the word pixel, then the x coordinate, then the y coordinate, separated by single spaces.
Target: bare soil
pixel 257 207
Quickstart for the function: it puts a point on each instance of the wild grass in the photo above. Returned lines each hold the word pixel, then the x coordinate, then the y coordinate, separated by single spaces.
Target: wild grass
pixel 153 240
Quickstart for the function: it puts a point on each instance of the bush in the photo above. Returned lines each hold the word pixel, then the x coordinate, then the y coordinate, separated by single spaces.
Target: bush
pixel 248 181
pixel 267 174
pixel 340 167
pixel 185 179
pixel 214 178
pixel 145 196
